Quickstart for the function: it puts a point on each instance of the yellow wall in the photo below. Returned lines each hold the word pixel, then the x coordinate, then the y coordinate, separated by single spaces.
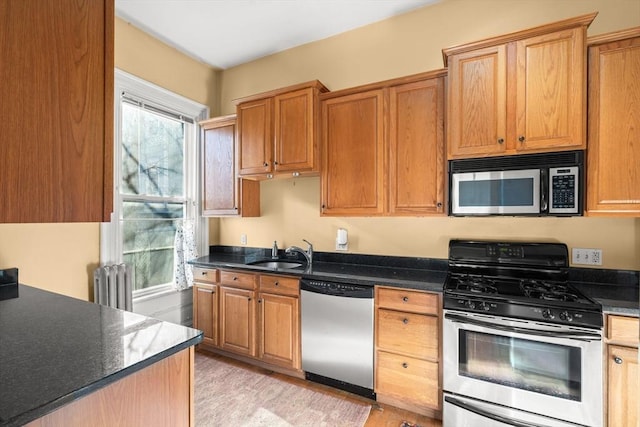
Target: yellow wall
pixel 61 257
pixel 403 45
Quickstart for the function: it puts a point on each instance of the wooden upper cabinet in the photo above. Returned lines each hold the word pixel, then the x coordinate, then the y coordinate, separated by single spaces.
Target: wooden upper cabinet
pixel 383 148
pixel 56 104
pixel 223 193
pixel 295 139
pixel 277 132
pixel 255 137
pixel 416 148
pixel 613 157
pixel 477 102
pixel 551 91
pixel 353 174
pixel 523 92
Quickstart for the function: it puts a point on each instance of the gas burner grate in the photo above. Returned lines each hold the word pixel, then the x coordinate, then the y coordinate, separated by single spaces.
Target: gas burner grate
pixel 547 291
pixel 477 284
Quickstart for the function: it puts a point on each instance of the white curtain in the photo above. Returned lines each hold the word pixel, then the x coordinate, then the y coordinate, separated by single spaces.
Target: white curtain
pixel 185 250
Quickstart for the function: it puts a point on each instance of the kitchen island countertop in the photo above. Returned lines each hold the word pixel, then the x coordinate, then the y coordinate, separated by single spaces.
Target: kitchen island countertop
pixel 55 349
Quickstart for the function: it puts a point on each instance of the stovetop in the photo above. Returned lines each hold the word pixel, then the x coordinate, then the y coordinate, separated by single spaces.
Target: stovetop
pixel 519 280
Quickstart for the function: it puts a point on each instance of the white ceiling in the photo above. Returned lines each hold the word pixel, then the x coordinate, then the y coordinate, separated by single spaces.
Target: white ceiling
pixel 225 33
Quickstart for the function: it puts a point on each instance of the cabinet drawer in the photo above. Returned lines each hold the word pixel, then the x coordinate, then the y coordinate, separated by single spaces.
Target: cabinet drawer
pixel 623 329
pixel 407 300
pixel 206 275
pixel 409 379
pixel 238 280
pixel 407 333
pixel 280 285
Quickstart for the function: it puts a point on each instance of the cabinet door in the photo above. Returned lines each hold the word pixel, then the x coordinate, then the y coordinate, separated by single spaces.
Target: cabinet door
pixel 550 91
pixel 255 136
pixel 613 174
pixel 353 154
pixel 205 311
pixel 477 102
pixel 279 330
pixel 295 147
pixel 623 386
pixel 237 321
pixel 219 184
pixel 416 148
pixel 56 105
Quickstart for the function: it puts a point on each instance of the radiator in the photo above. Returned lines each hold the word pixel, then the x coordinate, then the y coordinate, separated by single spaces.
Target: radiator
pixel 112 286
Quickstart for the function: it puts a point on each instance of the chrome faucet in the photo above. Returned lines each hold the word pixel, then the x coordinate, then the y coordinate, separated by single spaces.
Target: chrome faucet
pixel 274 250
pixel 308 254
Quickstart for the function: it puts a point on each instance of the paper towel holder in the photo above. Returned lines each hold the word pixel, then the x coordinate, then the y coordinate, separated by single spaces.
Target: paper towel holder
pixel 342 240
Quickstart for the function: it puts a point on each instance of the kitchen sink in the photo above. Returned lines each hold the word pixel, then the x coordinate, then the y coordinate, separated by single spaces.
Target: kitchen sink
pixel 277 264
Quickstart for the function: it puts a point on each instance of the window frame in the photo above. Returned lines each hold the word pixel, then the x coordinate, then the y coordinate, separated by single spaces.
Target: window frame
pixel 111 246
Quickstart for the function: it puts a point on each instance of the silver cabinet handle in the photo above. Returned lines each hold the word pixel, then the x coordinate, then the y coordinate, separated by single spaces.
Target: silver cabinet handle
pixel 617 359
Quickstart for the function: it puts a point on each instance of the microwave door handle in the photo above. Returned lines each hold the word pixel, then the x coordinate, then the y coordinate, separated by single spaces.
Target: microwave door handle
pixel 487 414
pixel 544 190
pixel 575 335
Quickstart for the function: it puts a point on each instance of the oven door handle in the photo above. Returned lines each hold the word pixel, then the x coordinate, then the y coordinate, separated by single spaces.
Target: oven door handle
pixel 575 335
pixel 484 413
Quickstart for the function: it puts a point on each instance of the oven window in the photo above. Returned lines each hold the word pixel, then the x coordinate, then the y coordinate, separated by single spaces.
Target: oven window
pixel 540 367
pixel 497 192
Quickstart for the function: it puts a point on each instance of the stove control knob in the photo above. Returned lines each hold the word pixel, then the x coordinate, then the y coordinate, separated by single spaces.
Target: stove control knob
pixel 566 316
pixel 484 306
pixel 470 304
pixel 548 314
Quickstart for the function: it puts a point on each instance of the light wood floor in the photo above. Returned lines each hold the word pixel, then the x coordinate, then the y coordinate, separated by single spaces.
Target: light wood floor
pixel 380 415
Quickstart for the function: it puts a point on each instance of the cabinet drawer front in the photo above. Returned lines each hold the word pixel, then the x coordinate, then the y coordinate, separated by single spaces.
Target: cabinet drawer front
pixel 407 333
pixel 623 329
pixel 406 300
pixel 238 280
pixel 280 285
pixel 409 379
pixel 206 275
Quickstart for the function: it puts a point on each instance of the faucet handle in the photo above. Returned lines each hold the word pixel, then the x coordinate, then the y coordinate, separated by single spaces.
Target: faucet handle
pixel 310 248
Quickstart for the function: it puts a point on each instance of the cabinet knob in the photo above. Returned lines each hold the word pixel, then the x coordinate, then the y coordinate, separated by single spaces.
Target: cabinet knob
pixel 521 138
pixel 235 278
pixel 276 284
pixel 259 301
pixel 439 204
pixel 405 365
pixel 405 299
pixel 405 321
pixel 500 140
pixel 204 273
pixel 618 360
pixel 265 164
pixel 275 163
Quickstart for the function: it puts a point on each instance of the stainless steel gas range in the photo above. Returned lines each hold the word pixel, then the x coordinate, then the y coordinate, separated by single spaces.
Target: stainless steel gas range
pixel 521 345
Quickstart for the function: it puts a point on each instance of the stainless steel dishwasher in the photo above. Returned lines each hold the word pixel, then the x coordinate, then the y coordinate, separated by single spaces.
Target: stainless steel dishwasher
pixel 337 335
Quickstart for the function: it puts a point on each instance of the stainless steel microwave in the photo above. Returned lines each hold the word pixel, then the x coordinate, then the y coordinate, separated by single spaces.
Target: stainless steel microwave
pixel 529 184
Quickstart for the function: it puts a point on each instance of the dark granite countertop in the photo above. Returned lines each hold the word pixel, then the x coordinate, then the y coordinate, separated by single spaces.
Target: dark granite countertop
pixel 616 290
pixel 55 349
pixel 403 272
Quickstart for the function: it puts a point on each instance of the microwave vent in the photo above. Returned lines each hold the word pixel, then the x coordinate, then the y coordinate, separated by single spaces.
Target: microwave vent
pixel 525 161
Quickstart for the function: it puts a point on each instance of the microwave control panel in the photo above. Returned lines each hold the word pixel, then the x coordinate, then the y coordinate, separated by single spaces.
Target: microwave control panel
pixel 563 190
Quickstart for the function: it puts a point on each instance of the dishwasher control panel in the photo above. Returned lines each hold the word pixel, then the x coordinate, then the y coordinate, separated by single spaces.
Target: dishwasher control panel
pixel 335 288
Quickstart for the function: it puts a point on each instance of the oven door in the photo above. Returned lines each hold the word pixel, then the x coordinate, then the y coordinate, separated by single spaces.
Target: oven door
pixel 550 370
pixel 496 192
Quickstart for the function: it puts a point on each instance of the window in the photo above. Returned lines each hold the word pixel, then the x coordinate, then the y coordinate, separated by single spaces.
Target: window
pixel 155 171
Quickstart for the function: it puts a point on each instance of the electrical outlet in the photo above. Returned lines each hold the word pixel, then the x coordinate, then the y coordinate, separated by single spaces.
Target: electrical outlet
pixel 243 239
pixel 586 256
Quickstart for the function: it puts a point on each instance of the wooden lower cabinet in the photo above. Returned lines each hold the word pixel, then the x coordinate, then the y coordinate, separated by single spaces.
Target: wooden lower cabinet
pixel 158 395
pixel 279 330
pixel 408 350
pixel 622 380
pixel 205 304
pixel 238 320
pixel 256 316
